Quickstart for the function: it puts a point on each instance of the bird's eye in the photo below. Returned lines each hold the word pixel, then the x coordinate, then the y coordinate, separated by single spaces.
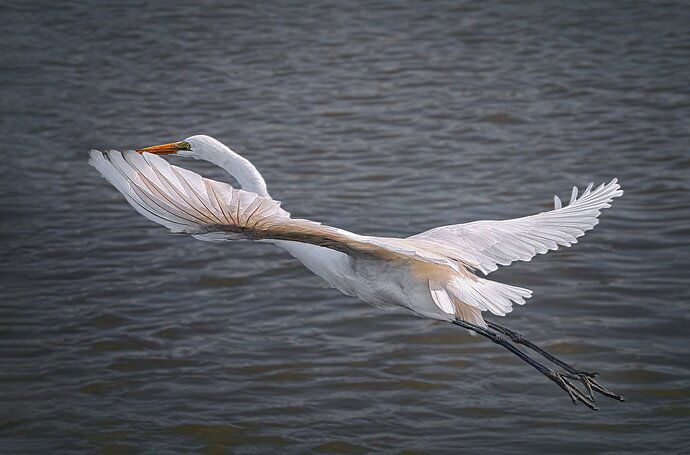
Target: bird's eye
pixel 184 146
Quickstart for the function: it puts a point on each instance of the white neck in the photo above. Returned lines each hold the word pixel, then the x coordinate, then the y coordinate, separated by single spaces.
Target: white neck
pixel 234 164
pixel 332 265
pixel 243 171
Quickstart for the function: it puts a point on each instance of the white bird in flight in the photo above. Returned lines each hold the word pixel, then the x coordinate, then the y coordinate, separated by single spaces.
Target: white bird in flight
pixel 432 274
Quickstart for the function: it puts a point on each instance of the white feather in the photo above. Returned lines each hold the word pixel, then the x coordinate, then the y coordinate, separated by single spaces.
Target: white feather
pixel 186 202
pixel 213 211
pixel 485 245
pixel 441 298
pixel 487 295
pixel 573 196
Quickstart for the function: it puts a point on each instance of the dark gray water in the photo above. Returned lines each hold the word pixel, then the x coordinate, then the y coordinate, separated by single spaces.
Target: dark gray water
pixel 385 119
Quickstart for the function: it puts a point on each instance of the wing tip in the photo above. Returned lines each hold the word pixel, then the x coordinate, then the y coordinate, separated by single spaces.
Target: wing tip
pixel 612 189
pixel 94 155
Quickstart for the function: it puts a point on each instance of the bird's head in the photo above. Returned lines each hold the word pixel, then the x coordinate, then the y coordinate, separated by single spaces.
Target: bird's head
pixel 200 147
pixel 206 148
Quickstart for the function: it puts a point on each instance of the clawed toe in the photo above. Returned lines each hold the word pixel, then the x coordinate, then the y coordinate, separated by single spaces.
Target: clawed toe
pixel 572 391
pixel 588 385
pixel 591 384
pixel 585 373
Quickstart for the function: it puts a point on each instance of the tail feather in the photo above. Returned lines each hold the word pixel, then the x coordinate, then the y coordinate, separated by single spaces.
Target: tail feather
pixel 487 295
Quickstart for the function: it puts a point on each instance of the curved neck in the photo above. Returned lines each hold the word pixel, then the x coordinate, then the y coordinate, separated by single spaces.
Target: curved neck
pixel 241 169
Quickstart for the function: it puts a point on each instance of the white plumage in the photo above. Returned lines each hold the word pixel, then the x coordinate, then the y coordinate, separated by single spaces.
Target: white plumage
pixel 484 245
pixel 429 273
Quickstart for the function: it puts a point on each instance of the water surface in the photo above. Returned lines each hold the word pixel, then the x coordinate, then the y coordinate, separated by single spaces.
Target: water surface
pixel 384 119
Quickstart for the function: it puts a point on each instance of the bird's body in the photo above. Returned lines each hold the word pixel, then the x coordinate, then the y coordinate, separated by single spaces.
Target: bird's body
pixel 432 274
pixel 386 283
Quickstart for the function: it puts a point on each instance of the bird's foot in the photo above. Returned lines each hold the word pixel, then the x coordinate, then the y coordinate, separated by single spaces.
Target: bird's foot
pixel 593 386
pixel 590 384
pixel 561 379
pixel 581 373
pixel 565 379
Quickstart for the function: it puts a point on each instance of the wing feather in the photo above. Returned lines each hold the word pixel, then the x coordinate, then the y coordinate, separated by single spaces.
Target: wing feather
pixel 214 211
pixel 209 210
pixel 484 245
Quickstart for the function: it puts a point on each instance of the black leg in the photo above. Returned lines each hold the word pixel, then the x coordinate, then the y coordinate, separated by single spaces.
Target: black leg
pixel 587 378
pixel 519 339
pixel 561 379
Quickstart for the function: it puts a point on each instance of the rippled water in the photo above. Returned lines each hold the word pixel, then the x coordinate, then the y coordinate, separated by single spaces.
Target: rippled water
pixel 381 118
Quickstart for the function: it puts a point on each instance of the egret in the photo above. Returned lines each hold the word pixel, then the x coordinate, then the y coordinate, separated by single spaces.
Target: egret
pixel 433 275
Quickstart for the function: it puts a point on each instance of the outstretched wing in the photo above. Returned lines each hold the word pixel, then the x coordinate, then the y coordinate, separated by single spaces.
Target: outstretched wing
pixel 484 245
pixel 185 202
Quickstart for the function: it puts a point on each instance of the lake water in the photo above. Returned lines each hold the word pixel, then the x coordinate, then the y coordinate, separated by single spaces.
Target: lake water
pixel 382 118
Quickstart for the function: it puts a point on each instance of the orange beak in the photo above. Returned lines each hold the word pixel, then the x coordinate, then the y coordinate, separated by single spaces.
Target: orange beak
pixel 164 149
